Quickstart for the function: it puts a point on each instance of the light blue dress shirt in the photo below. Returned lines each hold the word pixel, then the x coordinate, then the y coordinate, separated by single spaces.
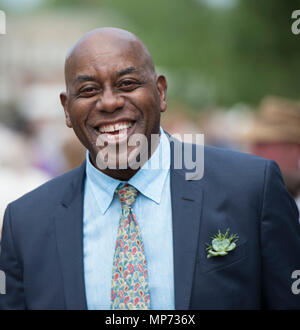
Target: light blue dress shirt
pixel 101 215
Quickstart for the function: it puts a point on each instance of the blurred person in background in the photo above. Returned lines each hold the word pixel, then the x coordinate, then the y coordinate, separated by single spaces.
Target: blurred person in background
pixel 275 134
pixel 46 134
pixel 17 173
pixel 35 147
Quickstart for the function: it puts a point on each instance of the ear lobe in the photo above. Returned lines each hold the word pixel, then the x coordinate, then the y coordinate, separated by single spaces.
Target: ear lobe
pixel 161 83
pixel 64 103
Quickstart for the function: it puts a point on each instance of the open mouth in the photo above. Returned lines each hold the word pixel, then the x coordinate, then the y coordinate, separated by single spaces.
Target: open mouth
pixel 116 132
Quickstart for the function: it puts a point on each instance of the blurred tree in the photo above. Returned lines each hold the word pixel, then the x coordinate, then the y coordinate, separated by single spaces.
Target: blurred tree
pixel 265 54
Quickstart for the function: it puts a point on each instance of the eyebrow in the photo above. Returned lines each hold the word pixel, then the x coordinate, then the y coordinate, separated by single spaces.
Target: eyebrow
pixel 128 70
pixel 85 77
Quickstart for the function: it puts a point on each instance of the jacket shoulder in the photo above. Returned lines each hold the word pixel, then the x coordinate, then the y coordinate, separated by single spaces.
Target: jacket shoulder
pixel 235 170
pixel 229 157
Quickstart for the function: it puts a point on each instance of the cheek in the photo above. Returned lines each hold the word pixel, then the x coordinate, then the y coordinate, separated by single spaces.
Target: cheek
pixel 149 106
pixel 152 111
pixel 79 112
pixel 151 116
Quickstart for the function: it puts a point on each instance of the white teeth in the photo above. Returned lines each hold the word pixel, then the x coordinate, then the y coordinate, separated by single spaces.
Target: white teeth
pixel 115 127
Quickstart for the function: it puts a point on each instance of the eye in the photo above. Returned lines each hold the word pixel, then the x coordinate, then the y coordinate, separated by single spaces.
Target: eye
pixel 88 91
pixel 128 85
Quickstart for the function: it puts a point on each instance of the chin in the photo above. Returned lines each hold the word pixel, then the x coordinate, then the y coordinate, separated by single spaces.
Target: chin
pixel 111 157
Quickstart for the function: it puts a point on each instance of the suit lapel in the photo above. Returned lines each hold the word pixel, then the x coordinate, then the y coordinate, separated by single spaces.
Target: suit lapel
pixel 186 198
pixel 69 232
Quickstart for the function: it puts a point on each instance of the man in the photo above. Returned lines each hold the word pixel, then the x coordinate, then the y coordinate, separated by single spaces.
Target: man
pixel 135 238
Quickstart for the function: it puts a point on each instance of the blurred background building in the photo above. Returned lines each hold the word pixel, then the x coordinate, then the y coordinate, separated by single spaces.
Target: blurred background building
pixel 222 58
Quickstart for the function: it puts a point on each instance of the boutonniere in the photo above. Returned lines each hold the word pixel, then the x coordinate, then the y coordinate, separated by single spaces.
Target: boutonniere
pixel 221 244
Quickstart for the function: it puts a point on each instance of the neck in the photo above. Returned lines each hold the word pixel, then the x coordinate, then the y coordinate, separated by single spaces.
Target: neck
pixel 122 175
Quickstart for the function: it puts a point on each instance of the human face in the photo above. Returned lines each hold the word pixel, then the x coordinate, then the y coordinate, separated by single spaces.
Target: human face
pixel 110 87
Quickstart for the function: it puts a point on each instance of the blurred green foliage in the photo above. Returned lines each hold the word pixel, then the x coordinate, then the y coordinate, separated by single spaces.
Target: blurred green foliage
pixel 213 55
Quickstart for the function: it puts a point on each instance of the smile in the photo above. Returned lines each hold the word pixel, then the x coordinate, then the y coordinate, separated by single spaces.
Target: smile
pixel 115 128
pixel 116 132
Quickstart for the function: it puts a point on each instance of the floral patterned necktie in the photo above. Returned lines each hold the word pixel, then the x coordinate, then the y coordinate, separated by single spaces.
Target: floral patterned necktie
pixel 130 288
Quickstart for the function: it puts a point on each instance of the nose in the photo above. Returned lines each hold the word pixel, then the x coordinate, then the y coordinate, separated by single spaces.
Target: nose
pixel 110 101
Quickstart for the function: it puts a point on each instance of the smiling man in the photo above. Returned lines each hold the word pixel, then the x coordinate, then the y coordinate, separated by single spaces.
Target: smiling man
pixel 119 233
pixel 112 92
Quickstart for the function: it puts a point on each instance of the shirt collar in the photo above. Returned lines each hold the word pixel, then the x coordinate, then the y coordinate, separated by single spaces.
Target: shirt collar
pixel 149 180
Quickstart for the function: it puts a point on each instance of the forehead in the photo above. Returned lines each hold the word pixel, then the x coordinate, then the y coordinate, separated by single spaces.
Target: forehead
pixel 105 57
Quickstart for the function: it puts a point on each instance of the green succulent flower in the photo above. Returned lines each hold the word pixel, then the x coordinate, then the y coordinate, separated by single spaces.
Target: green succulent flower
pixel 221 244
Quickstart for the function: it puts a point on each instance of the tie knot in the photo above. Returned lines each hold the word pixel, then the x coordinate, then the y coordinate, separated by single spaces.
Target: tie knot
pixel 127 195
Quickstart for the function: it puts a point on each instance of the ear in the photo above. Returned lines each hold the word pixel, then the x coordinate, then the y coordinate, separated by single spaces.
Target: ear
pixel 64 103
pixel 161 83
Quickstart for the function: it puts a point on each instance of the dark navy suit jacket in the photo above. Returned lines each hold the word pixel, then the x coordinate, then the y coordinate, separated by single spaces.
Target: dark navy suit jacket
pixel 42 243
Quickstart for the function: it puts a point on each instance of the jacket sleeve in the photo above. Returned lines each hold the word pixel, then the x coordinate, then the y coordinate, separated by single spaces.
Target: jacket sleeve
pixel 280 242
pixel 11 266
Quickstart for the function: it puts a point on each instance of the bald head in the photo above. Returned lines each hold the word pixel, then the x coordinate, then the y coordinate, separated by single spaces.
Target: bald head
pixel 104 41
